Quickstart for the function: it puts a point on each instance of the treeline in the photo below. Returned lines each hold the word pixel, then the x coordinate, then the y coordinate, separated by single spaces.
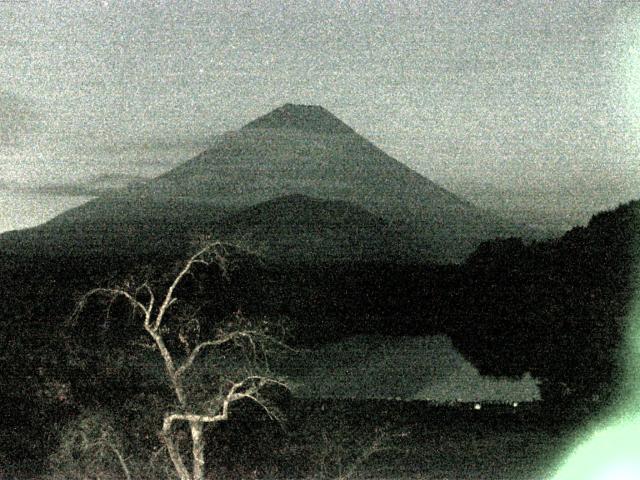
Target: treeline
pixel 557 309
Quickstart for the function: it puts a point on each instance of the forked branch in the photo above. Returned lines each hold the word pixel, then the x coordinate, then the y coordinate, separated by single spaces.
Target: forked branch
pixel 142 301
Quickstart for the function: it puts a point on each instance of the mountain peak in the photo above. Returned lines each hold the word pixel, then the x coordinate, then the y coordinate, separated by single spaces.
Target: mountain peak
pixel 309 118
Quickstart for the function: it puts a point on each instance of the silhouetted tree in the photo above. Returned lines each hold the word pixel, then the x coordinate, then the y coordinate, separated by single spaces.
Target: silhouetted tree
pixel 171 330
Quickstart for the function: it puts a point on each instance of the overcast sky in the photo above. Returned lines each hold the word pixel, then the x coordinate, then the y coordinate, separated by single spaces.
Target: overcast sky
pixel 527 94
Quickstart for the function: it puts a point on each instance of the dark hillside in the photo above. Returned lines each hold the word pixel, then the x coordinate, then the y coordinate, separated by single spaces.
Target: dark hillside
pixel 554 308
pixel 297 229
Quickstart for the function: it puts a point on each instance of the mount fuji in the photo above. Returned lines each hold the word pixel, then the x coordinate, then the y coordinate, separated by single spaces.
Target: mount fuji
pixel 286 175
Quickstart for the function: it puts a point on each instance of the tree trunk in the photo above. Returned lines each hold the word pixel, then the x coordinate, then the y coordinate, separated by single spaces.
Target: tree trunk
pixel 174 454
pixel 197 441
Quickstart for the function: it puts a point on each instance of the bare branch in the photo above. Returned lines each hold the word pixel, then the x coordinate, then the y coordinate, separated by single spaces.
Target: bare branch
pixel 210 343
pixel 269 411
pixel 152 299
pixel 112 293
pixel 252 339
pixel 121 460
pixel 174 452
pixel 169 364
pixel 234 394
pixel 257 339
pixel 169 298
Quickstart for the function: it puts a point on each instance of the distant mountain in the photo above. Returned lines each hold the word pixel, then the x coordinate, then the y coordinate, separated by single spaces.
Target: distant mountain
pixel 552 212
pixel 308 118
pixel 307 150
pixel 297 228
pixel 295 149
pixel 293 228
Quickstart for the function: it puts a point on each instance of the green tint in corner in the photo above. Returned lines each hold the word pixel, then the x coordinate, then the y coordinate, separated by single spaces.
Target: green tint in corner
pixel 611 451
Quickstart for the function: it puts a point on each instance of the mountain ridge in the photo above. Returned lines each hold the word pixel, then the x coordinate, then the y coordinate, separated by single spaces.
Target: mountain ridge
pixel 291 228
pixel 299 149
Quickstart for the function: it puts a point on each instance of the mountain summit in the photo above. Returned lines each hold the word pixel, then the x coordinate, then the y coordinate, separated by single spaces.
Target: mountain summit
pixel 308 118
pixel 293 150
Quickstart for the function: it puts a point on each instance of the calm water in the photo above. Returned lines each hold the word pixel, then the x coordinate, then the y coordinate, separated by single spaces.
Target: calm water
pixel 23 210
pixel 407 368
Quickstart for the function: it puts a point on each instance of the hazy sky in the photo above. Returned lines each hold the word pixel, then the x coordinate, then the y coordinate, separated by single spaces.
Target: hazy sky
pixel 520 94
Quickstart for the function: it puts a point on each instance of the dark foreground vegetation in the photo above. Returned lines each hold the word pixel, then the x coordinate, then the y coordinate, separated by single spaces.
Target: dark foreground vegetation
pixel 341 439
pixel 555 309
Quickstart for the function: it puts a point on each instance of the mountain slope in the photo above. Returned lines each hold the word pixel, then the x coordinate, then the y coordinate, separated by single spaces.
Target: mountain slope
pixel 295 149
pixel 289 229
pixel 297 228
pixel 306 150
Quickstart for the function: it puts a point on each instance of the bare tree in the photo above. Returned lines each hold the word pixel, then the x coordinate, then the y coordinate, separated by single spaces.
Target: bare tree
pixel 88 447
pixel 192 409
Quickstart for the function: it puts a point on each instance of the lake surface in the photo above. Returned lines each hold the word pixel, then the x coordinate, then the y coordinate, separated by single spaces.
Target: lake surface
pixel 403 368
pixel 24 210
